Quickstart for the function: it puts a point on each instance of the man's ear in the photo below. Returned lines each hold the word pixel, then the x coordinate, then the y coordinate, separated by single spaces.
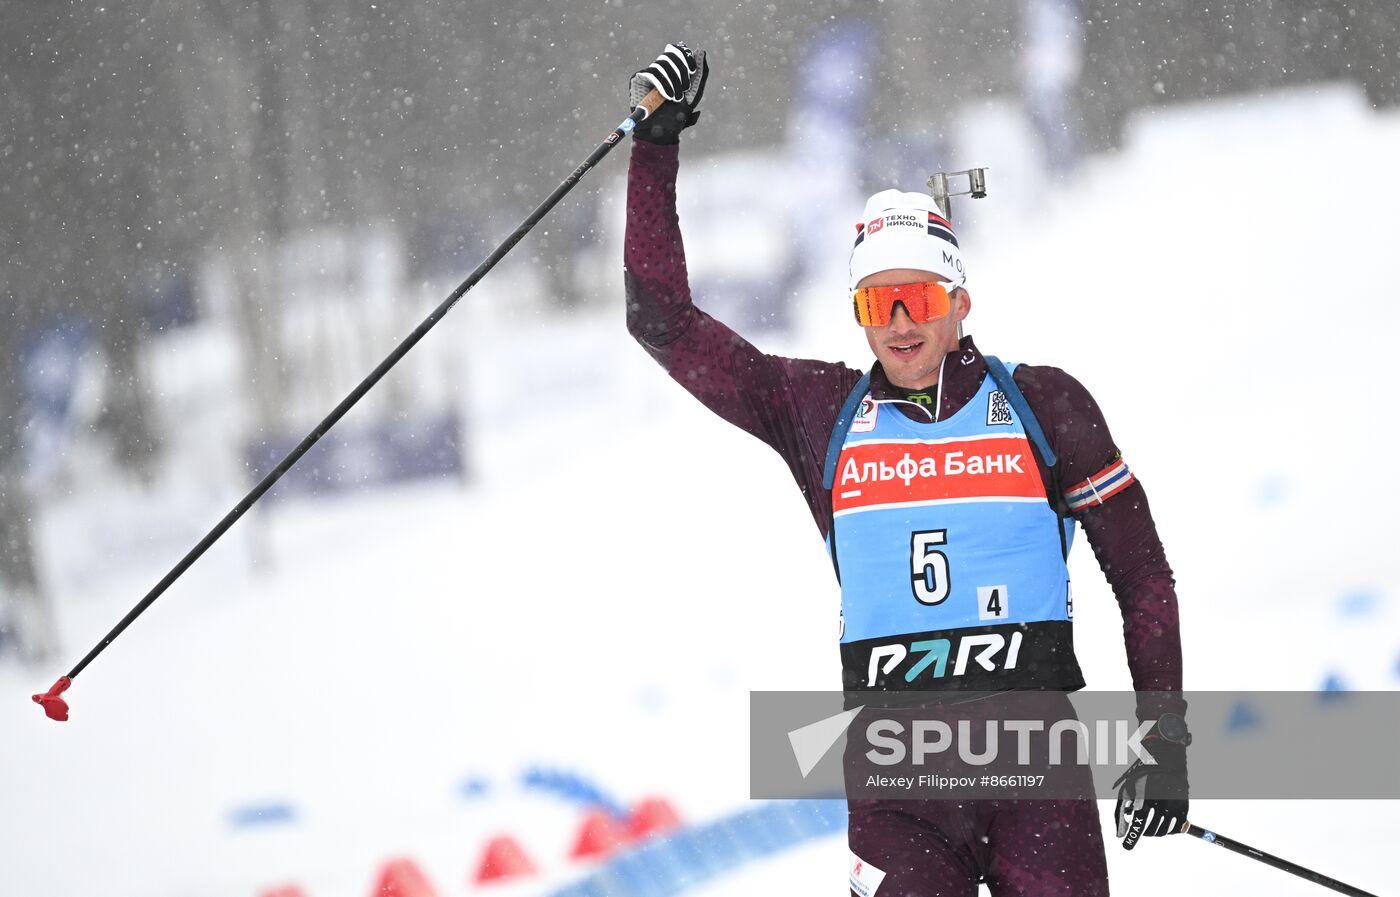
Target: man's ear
pixel 962 303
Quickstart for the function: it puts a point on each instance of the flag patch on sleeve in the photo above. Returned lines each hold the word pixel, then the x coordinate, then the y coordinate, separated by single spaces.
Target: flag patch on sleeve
pixel 1100 487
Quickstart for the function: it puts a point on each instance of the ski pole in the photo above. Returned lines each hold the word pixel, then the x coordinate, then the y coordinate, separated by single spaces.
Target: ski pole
pixel 1315 877
pixel 54 705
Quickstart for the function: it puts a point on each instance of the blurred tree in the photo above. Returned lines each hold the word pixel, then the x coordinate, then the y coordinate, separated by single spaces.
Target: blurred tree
pixel 26 618
pixel 234 99
pixel 1180 50
pixel 91 143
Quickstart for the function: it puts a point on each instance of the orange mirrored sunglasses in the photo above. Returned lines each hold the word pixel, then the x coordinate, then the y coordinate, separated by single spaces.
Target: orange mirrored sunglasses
pixel 923 302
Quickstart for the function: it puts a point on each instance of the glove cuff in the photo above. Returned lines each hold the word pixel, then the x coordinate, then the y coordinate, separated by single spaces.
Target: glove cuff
pixel 663 127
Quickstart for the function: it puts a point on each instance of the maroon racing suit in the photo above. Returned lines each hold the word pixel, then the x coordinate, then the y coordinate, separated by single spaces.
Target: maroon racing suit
pixel 922 847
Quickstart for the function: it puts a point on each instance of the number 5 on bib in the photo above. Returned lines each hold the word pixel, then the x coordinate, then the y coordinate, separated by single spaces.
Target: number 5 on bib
pixel 930 567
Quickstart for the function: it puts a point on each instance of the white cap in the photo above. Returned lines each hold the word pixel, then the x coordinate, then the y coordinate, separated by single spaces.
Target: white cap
pixel 904 230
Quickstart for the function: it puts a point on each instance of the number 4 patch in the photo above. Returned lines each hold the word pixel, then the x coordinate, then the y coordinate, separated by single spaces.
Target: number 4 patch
pixel 992 603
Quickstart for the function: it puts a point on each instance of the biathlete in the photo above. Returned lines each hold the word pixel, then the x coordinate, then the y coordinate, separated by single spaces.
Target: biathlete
pixel 947 486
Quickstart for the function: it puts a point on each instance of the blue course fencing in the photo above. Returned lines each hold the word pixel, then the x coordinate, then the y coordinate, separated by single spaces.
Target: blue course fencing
pixel 672 863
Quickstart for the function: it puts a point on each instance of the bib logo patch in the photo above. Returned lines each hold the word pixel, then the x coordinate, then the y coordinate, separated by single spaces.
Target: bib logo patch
pixel 998 409
pixel 866 416
pixel 865 878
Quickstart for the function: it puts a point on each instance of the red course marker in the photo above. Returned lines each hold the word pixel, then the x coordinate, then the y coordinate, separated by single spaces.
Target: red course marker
pixel 653 816
pixel 598 836
pixel 503 859
pixel 403 878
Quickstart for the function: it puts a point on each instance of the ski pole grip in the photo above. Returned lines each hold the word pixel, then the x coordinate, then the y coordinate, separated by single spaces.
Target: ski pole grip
pixel 650 103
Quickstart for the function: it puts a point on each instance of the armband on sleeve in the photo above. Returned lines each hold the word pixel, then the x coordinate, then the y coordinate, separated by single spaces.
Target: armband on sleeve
pixel 1100 487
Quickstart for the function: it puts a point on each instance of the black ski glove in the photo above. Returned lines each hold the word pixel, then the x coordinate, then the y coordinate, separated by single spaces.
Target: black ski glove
pixel 680 74
pixel 1153 799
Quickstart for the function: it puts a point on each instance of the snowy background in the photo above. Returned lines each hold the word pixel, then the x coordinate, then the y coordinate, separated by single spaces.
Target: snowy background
pixel 576 616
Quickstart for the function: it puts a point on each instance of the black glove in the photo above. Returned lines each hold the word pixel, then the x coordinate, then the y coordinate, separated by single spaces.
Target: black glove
pixel 680 74
pixel 1153 799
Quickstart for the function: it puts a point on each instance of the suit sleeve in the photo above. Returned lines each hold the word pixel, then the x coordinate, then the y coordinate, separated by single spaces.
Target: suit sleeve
pixel 791 404
pixel 1099 489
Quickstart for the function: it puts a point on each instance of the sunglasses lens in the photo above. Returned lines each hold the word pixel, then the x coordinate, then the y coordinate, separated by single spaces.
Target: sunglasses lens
pixel 923 302
pixel 864 316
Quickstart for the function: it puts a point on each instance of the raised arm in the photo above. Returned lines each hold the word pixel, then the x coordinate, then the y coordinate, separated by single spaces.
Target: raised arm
pixel 790 404
pixel 763 394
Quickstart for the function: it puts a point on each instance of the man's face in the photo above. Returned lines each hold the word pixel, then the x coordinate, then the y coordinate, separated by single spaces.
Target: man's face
pixel 911 353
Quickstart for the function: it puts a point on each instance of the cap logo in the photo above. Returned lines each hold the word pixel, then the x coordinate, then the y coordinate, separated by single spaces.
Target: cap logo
pixel 903 219
pixel 899 230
